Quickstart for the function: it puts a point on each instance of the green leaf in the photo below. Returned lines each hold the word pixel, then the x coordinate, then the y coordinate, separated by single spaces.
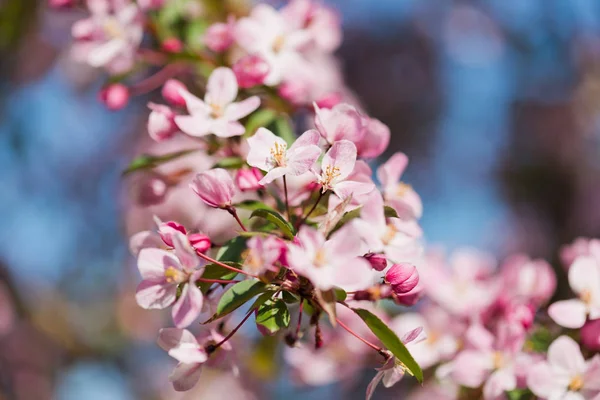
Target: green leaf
pixel 391 341
pixel 148 161
pixel 539 341
pixel 390 212
pixel 273 315
pixel 340 294
pixel 236 296
pixel 253 205
pixel 347 217
pixel 229 163
pixel 289 298
pixel 214 271
pixel 261 118
pixel 520 394
pixel 274 217
pixel 282 127
pixel 194 34
pixel 232 250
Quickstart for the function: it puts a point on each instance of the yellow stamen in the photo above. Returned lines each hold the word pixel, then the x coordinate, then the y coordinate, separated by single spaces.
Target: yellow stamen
pixel 498 360
pixel 389 234
pixel 278 43
pixel 278 152
pixel 173 275
pixel 586 296
pixel 576 384
pixel 328 177
pixel 216 111
pixel 113 28
pixel 403 189
pixel 320 259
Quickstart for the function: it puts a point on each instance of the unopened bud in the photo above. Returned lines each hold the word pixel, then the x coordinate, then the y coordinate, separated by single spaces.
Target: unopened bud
pixel 200 242
pixel 219 37
pixel 171 92
pixel 402 278
pixel 167 229
pixel 377 261
pixel 152 191
pixel 172 45
pixel 251 70
pixel 161 122
pixel 247 179
pixel 590 335
pixel 115 96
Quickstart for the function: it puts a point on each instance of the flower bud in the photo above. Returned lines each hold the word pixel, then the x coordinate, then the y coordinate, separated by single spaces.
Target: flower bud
pixel 115 96
pixel 402 278
pixel 167 229
pixel 590 335
pixel 161 122
pixel 329 100
pixel 152 191
pixel 247 179
pixel 61 3
pixel 215 187
pixel 410 298
pixel 171 92
pixel 251 70
pixel 219 37
pixel 377 261
pixel 200 242
pixel 172 45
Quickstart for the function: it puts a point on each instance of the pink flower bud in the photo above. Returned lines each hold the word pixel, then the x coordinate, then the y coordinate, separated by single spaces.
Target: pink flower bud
pixel 115 96
pixel 150 4
pixel 590 335
pixel 171 92
pixel 247 179
pixel 152 191
pixel 200 242
pixel 172 45
pixel 251 70
pixel 161 122
pixel 329 100
pixel 219 37
pixel 402 278
pixel 61 3
pixel 410 298
pixel 521 314
pixel 377 261
pixel 167 229
pixel 215 187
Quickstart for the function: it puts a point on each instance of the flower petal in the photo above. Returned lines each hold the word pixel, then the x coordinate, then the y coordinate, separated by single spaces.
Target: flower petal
pixel 155 295
pixel 222 87
pixel 169 338
pixel 564 353
pixel 185 376
pixel 188 307
pixel 568 313
pixel 235 111
pixel 194 125
pixel 342 155
pixel 260 145
pixel 391 171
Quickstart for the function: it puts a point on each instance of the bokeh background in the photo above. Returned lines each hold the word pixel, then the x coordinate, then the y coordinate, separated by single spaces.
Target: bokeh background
pixel 496 102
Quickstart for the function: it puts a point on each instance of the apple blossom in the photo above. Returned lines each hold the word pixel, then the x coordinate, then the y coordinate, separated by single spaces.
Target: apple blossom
pixel 270 153
pixel 215 187
pixel 399 195
pixel 342 122
pixel 251 70
pixel 115 96
pixel 402 277
pixel 375 140
pixel 161 122
pixel 171 92
pixel 218 113
pixel 248 179
pixel 584 278
pixel 262 254
pixel 219 36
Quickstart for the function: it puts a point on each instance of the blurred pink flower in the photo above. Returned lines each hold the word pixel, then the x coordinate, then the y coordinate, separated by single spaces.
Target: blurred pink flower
pixel 342 122
pixel 171 92
pixel 262 254
pixel 251 70
pixel 584 279
pixel 215 187
pixel 320 22
pixel 247 179
pixel 397 194
pixel 219 36
pixel 528 280
pixel 565 374
pixel 375 140
pixel 270 153
pixel 115 97
pixel 218 113
pixel 110 36
pixel 161 122
pixel 580 247
pixel 183 346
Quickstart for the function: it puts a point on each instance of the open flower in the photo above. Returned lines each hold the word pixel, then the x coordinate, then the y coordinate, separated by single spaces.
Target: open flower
pixel 218 113
pixel 333 262
pixel 584 278
pixel 270 153
pixel 565 375
pixel 109 37
pixel 394 369
pixel 337 166
pixel 163 272
pixel 397 194
pixel 342 122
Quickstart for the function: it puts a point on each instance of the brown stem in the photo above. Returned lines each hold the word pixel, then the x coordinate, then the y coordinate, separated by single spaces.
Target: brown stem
pixel 213 261
pixel 216 280
pixel 231 210
pixel 301 221
pixel 287 205
pixel 216 346
pixel 156 80
pixel 356 335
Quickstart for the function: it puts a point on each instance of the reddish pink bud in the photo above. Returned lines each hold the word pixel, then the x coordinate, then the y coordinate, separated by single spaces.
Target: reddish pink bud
pixel 215 187
pixel 61 3
pixel 247 179
pixel 167 229
pixel 402 278
pixel 377 261
pixel 329 100
pixel 410 298
pixel 219 37
pixel 171 92
pixel 172 45
pixel 161 122
pixel 294 91
pixel 251 71
pixel 152 191
pixel 150 4
pixel 200 242
pixel 520 313
pixel 590 335
pixel 115 96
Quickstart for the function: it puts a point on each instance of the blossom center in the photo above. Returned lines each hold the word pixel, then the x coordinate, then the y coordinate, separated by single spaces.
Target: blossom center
pixel 329 176
pixel 216 110
pixel 576 384
pixel 173 275
pixel 586 296
pixel 278 43
pixel 113 29
pixel 252 260
pixel 278 152
pixel 320 259
pixel 402 189
pixel 389 234
pixel 498 360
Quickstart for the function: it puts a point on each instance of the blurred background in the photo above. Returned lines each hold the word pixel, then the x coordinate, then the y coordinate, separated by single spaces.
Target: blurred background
pixel 496 102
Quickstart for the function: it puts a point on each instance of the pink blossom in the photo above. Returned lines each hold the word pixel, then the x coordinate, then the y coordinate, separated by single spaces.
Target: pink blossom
pixel 171 92
pixel 183 346
pixel 172 45
pixel 219 36
pixel 361 173
pixel 590 335
pixel 489 361
pixel 162 272
pixel 109 37
pixel 397 194
pixel 166 231
pixel 378 261
pixel 270 153
pixel 397 239
pixel 161 122
pixel 61 3
pixel 150 4
pixel 565 374
pixel 402 277
pixel 215 187
pixel 528 280
pixel 584 279
pixel 218 113
pixel 200 242
pixel 320 22
pixel 115 97
pixel 336 168
pixel 580 247
pixel 269 35
pixel 394 369
pixel 262 254
pixel 247 179
pixel 342 122
pixel 251 70
pixel 152 190
pixel 333 262
pixel 375 140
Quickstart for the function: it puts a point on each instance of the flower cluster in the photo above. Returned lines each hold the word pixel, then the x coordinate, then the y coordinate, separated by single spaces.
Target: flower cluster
pixel 275 146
